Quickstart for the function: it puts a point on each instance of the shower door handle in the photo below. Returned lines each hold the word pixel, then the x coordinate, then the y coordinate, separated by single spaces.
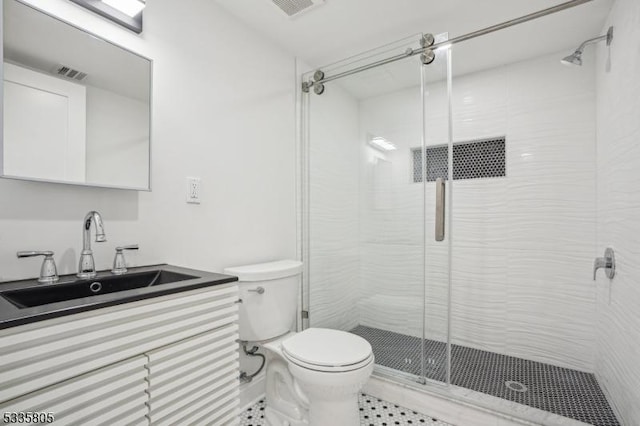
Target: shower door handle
pixel 440 209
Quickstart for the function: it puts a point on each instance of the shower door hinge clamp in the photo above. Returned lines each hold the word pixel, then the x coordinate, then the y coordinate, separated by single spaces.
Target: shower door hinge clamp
pixel 427 40
pixel 428 55
pixel 305 314
pixel 316 82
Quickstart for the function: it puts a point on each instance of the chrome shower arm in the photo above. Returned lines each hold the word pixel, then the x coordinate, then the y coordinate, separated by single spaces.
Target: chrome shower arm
pixel 608 37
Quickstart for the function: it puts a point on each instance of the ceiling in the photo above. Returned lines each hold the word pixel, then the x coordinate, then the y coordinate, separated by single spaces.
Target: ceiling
pixel 344 28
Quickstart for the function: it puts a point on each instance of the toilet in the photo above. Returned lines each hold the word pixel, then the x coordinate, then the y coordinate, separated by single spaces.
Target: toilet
pixel 312 377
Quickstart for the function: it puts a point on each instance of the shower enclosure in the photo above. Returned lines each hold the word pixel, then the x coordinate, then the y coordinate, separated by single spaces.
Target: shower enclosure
pixel 449 214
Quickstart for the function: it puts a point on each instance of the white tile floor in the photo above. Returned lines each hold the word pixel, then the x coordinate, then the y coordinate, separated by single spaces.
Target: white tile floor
pixel 373 412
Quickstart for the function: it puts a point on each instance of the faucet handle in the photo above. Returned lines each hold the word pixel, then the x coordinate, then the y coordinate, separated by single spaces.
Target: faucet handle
pixel 21 254
pixel 119 264
pixel 48 270
pixel 608 263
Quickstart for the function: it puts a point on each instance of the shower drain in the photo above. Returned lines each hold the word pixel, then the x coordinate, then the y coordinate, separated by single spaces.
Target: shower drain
pixel 516 386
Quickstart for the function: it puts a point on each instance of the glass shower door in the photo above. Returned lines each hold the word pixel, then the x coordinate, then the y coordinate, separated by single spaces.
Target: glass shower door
pixel 373 265
pixel 365 215
pixel 436 174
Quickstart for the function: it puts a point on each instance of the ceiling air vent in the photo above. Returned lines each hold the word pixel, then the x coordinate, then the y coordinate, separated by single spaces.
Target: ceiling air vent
pixel 68 72
pixel 293 8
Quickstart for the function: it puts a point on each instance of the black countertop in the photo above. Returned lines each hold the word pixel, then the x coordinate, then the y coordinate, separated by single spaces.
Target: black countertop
pixel 12 315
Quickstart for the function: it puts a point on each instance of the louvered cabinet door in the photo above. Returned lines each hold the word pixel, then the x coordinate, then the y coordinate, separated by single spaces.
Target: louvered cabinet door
pixel 43 353
pixel 195 381
pixel 110 396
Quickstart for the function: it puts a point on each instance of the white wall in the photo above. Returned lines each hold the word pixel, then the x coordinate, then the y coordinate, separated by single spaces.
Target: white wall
pixel 618 367
pixel 223 111
pixel 523 245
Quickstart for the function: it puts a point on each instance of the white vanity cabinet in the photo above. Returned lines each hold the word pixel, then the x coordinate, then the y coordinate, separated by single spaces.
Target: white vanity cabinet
pixel 165 360
pixel 114 395
pixel 194 381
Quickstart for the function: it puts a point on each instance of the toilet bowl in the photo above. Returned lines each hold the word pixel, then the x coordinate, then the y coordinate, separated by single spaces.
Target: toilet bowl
pixel 330 366
pixel 312 377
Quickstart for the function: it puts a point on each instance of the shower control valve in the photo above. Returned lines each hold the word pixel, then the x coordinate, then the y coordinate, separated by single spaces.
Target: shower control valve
pixel 608 263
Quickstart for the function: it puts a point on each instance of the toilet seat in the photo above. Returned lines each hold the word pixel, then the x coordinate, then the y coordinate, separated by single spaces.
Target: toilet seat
pixel 325 369
pixel 327 350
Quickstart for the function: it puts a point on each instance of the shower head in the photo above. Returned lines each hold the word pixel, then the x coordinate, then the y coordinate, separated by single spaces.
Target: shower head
pixel 576 57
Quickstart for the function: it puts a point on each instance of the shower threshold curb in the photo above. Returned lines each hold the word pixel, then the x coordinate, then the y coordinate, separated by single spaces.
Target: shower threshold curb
pixel 445 402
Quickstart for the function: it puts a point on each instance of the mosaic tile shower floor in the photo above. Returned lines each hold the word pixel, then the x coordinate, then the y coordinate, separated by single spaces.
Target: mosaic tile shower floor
pixel 373 412
pixel 562 391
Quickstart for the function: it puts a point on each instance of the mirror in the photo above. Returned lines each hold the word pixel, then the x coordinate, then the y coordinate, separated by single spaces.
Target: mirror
pixel 76 107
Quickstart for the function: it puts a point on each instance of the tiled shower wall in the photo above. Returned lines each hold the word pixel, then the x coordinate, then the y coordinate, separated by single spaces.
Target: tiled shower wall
pixel 618 71
pixel 523 245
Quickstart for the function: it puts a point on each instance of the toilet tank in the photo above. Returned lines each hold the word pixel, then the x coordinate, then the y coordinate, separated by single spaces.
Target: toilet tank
pixel 269 293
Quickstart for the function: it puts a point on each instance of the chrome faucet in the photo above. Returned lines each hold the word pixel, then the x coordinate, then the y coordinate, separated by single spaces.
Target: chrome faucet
pixel 87 267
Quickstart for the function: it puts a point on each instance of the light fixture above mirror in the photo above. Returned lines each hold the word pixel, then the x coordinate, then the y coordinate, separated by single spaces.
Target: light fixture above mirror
pixel 128 7
pixel 127 13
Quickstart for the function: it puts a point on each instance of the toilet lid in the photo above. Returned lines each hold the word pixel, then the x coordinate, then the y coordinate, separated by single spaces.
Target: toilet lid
pixel 327 348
